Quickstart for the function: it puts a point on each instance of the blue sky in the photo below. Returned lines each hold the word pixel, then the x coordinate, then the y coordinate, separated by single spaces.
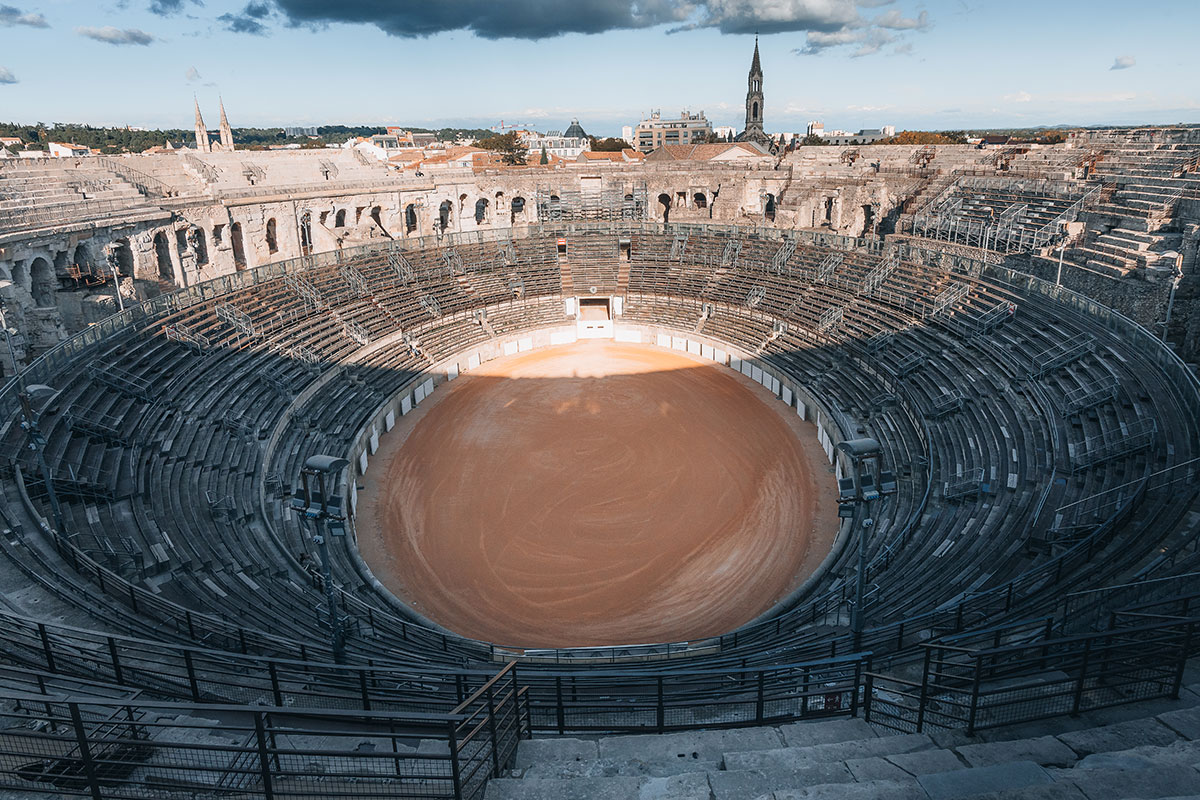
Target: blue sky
pixel 850 63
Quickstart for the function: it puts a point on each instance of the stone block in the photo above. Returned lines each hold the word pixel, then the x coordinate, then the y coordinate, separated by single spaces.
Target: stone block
pixel 1119 736
pixel 1111 784
pixel 926 761
pixel 1044 750
pixel 741 784
pixel 804 734
pixel 870 790
pixel 799 757
pixel 693 746
pixel 540 751
pixel 1184 721
pixel 981 780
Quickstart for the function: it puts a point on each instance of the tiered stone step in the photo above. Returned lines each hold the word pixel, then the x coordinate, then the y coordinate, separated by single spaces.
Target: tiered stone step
pixel 1143 757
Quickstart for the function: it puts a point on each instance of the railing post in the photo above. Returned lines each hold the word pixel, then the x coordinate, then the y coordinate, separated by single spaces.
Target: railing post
pixel 491 707
pixel 116 661
pixel 455 766
pixel 661 716
pixel 362 690
pixel 758 704
pixel 560 712
pixel 191 673
pixel 921 698
pixel 975 698
pixel 868 690
pixel 46 647
pixel 1077 700
pixel 1183 659
pixel 264 756
pixel 85 752
pixel 275 693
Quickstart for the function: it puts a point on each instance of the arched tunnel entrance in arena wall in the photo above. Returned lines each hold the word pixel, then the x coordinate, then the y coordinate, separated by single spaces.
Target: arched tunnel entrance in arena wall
pixel 594 317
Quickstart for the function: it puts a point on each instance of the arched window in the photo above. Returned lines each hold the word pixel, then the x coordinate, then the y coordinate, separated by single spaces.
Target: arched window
pixel 272 239
pixel 769 207
pixel 664 200
pixel 239 247
pixel 754 110
pixel 163 254
pixel 306 233
pixel 481 210
pixel 339 219
pixel 410 218
pixel 516 209
pixel 699 200
pixel 41 283
pixel 444 212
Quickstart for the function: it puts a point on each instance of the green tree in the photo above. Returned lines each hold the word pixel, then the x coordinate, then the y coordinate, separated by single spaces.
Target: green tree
pixel 545 159
pixel 812 140
pixel 609 145
pixel 513 151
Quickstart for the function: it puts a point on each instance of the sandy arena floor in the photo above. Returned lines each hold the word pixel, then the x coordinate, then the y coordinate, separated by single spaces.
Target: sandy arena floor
pixel 597 493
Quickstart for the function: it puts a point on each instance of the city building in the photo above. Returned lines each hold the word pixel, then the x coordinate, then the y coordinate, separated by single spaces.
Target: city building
pixel 657 132
pixel 59 150
pixel 816 128
pixel 566 144
pixel 627 134
pixel 725 133
pixel 300 130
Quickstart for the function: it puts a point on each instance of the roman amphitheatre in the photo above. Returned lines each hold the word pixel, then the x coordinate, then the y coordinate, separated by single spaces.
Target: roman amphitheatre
pixel 323 480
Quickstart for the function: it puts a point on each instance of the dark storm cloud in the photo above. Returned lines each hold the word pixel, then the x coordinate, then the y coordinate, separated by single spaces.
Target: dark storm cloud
pixel 165 8
pixel 249 20
pixel 538 19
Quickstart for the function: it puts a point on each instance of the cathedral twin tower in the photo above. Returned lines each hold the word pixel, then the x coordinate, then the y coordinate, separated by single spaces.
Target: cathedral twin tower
pixel 203 143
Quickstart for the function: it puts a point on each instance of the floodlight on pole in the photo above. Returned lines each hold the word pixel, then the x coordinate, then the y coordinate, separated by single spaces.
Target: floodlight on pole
pixel 867 483
pixel 314 503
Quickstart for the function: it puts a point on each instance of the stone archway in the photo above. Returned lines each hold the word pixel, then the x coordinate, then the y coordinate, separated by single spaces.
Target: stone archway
pixel 162 255
pixel 664 202
pixel 42 282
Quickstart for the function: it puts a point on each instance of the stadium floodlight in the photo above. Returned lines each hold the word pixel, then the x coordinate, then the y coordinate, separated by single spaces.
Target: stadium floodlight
pixel 314 501
pixel 868 483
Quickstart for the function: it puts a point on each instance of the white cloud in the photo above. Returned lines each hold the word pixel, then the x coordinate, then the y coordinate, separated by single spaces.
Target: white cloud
pixel 117 36
pixel 10 16
pixel 6 76
pixel 1123 62
pixel 1019 97
pixel 192 74
pixel 896 21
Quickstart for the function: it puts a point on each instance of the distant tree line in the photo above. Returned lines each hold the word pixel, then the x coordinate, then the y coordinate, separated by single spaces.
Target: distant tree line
pixel 125 140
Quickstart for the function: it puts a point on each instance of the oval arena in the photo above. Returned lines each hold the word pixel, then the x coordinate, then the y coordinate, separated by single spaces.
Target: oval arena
pixel 597 468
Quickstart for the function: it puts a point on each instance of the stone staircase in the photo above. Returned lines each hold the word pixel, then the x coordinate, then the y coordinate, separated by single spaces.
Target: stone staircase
pixel 1147 751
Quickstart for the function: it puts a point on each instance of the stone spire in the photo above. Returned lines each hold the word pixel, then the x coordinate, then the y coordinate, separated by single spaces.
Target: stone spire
pixel 226 131
pixel 754 104
pixel 202 143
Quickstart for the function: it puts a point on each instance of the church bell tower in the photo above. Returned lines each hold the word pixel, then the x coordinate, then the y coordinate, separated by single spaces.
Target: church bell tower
pixel 754 101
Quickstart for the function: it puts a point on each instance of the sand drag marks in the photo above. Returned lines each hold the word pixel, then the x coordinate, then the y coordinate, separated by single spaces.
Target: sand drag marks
pixel 597 493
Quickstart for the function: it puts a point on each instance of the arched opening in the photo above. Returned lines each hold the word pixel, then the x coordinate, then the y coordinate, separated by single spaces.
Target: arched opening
pixel 199 244
pixel 410 218
pixel 339 219
pixel 444 212
pixel 163 254
pixel 306 233
pixel 377 217
pixel 20 275
pixel 699 200
pixel 272 237
pixel 754 110
pixel 41 280
pixel 122 255
pixel 829 210
pixel 239 247
pixel 481 209
pixel 664 200
pixel 516 208
pixel 769 207
pixel 868 220
pixel 85 263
